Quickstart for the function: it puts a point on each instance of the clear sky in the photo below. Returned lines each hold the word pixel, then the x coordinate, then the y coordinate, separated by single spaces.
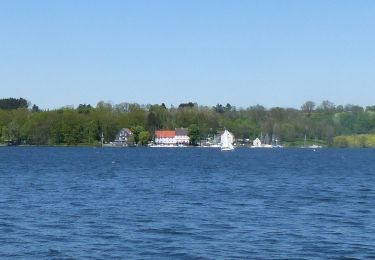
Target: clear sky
pixel 242 52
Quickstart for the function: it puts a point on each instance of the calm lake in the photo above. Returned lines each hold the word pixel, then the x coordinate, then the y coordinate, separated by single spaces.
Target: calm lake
pixel 141 203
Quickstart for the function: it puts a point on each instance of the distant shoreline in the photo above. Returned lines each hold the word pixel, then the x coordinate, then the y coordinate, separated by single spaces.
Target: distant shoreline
pixel 312 125
pixel 174 147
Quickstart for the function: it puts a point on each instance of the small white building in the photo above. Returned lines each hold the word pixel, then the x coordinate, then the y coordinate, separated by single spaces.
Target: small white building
pixel 257 143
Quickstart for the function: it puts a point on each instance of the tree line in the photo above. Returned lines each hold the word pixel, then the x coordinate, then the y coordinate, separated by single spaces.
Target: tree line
pixel 326 123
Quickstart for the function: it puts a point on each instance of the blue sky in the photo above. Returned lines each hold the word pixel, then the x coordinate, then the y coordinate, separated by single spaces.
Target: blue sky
pixel 242 52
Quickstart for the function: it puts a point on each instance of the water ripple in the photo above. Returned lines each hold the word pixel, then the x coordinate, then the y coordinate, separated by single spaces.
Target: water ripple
pixel 85 203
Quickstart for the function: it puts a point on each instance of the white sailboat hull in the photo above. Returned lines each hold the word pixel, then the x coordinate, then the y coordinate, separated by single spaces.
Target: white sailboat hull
pixel 227 148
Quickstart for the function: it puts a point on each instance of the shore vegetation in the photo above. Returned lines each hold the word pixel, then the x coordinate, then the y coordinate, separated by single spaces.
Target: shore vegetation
pixel 325 124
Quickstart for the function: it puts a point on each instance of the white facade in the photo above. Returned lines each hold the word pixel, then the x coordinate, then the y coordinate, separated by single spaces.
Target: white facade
pixel 165 140
pixel 174 140
pixel 257 143
pixel 182 139
pixel 172 137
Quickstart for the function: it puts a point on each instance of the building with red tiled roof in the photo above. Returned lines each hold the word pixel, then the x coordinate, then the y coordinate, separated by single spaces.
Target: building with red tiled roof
pixel 172 137
pixel 165 133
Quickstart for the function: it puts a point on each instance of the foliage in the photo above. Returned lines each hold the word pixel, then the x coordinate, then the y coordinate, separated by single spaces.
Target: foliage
pixel 194 134
pixel 340 126
pixel 362 141
pixel 13 103
pixel 143 138
pixel 137 130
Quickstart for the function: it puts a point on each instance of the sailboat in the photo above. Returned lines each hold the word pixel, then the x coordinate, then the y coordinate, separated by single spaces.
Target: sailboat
pixel 226 141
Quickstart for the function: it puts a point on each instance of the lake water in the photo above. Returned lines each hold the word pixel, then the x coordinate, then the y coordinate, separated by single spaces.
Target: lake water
pixel 87 203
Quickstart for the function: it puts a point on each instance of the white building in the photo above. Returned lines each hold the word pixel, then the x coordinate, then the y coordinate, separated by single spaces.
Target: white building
pixel 124 138
pixel 179 136
pixel 257 143
pixel 182 136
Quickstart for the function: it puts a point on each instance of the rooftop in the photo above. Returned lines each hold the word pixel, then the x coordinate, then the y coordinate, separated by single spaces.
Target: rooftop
pixel 165 133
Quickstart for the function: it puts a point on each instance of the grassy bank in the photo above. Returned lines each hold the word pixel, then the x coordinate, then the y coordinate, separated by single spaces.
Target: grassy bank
pixel 366 140
pixel 301 143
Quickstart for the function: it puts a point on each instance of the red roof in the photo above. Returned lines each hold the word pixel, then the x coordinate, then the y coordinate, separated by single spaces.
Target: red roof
pixel 165 133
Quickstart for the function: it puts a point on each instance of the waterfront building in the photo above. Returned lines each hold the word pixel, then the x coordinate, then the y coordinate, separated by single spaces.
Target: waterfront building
pixel 165 137
pixel 179 136
pixel 257 143
pixel 124 138
pixel 182 136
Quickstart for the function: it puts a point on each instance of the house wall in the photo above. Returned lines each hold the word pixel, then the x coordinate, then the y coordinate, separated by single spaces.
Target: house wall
pixel 183 139
pixel 170 137
pixel 165 140
pixel 175 140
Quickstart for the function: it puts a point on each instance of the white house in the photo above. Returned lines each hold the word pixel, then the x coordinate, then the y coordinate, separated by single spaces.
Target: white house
pixel 165 137
pixel 124 138
pixel 179 136
pixel 257 143
pixel 182 136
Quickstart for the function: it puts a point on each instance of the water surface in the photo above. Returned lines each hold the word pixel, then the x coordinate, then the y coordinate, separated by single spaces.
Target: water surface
pixel 87 203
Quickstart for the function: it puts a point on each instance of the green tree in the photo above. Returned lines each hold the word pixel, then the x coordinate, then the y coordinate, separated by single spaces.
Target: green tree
pixel 194 134
pixel 308 107
pixel 13 103
pixel 144 137
pixel 136 130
